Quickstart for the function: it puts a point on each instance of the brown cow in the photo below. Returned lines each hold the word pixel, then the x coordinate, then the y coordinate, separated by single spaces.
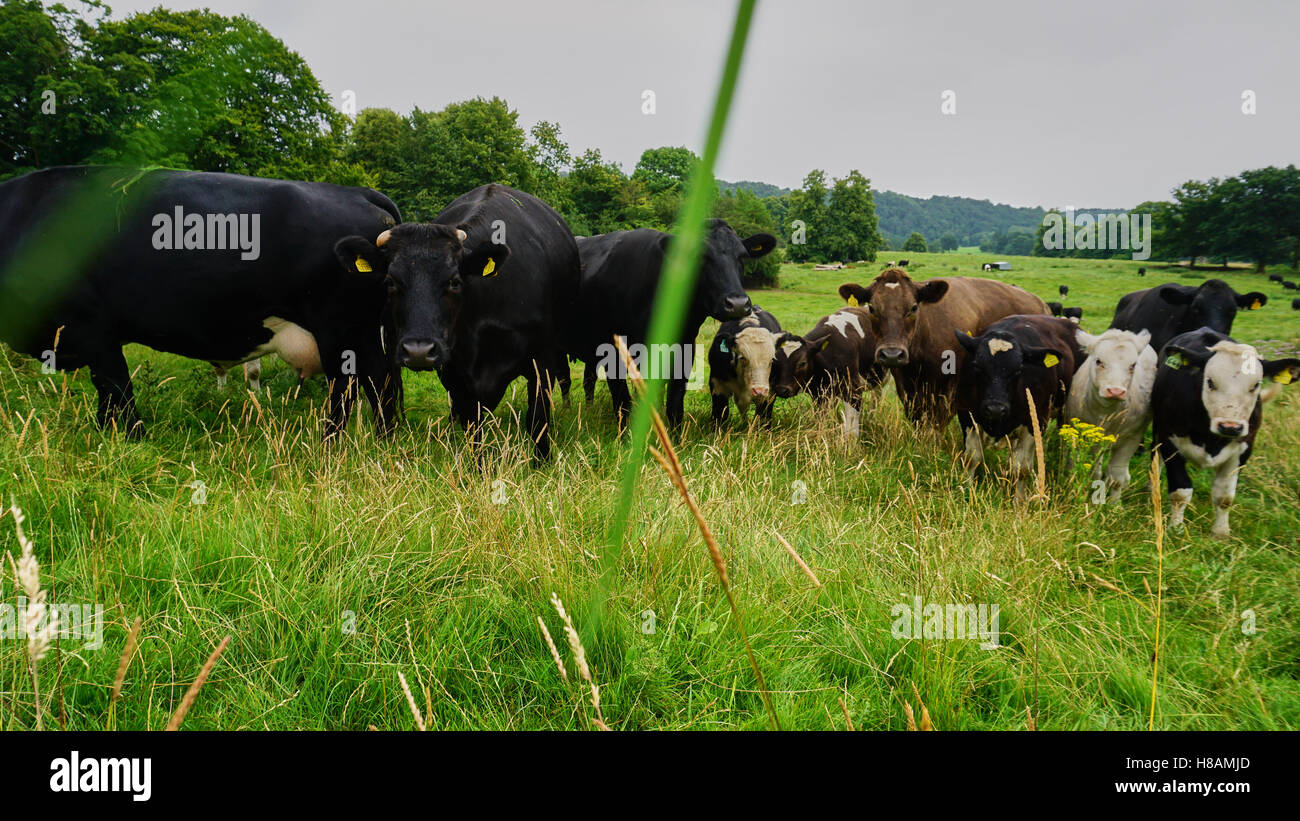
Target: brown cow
pixel 915 325
pixel 835 360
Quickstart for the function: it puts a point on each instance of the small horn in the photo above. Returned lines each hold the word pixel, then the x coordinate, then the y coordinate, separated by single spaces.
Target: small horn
pixel 382 238
pixel 461 235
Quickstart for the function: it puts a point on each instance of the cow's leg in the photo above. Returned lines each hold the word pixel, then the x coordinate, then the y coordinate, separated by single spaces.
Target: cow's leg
pixel 253 374
pixel 338 404
pixel 589 380
pixel 539 413
pixel 853 417
pixel 562 378
pixel 112 381
pixel 676 406
pixel 1022 460
pixel 1223 491
pixel 384 393
pixel 973 456
pixel 1117 474
pixel 721 405
pixel 763 410
pixel 1180 484
pixel 223 376
pixel 622 399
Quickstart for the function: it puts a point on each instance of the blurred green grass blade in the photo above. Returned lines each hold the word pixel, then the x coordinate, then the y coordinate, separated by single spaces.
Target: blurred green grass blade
pixel 672 300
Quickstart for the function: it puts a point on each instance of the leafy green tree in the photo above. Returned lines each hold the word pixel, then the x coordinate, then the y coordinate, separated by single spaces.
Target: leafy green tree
pixel 551 161
pixel 949 242
pixel 850 221
pixel 915 242
pixel 807 214
pixel 665 169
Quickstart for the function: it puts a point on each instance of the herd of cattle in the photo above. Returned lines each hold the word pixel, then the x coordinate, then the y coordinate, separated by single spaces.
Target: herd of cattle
pixel 496 287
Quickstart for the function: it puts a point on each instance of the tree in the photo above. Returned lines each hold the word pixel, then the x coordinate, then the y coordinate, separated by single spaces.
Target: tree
pixel 807 216
pixel 915 242
pixel 949 242
pixel 551 161
pixel 665 169
pixel 850 221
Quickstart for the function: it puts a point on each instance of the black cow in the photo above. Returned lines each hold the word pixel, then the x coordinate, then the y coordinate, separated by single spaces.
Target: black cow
pixel 1064 290
pixel 1275 278
pixel 217 267
pixel 620 275
pixel 835 360
pixel 1072 313
pixel 740 365
pixel 1289 285
pixel 1142 272
pixel 1295 304
pixel 903 263
pixel 1207 406
pixel 1171 309
pixel 483 295
pixel 1025 352
pixel 1055 308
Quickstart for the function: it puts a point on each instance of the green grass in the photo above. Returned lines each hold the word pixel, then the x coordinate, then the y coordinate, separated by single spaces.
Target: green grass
pixel 299 541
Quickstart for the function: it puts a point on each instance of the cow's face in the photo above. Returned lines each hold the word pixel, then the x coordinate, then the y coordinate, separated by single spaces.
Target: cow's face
pixel 425 268
pixel 1113 360
pixel 719 289
pixel 894 302
pixel 997 364
pixel 1232 377
pixel 752 351
pixel 1212 304
pixel 793 363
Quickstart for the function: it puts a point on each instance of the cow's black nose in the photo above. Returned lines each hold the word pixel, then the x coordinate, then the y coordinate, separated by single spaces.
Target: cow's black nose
pixel 1229 428
pixel 996 411
pixel 734 307
pixel 418 355
pixel 891 356
pixel 782 391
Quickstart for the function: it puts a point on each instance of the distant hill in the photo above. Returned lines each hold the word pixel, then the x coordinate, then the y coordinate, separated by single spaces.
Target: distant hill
pixel 900 214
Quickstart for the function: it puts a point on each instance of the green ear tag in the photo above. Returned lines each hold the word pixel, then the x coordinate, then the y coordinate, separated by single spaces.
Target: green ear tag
pixel 722 346
pixel 1174 360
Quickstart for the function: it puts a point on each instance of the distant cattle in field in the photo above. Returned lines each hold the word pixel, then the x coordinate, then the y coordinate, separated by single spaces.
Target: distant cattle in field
pixel 903 263
pixel 913 325
pixel 1055 308
pixel 1142 272
pixel 252 375
pixel 1207 407
pixel 245 268
pixel 1289 285
pixel 1275 278
pixel 1075 313
pixel 1171 309
pixel 1013 358
pixel 740 365
pixel 833 361
pixel 1063 290
pixel 620 276
pixel 831 266
pixel 1112 389
pixel 1295 304
pixel 480 305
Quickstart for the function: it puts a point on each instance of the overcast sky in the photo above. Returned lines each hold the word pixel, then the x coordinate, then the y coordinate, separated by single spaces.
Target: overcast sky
pixel 1101 104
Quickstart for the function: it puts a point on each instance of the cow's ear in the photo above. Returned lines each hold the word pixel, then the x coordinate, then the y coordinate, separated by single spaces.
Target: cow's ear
pixel 965 340
pixel 855 294
pixel 1175 294
pixel 1041 357
pixel 664 242
pixel 1252 301
pixel 1282 371
pixel 818 340
pixel 932 291
pixel 759 245
pixel 484 261
pixel 1086 340
pixel 359 255
pixel 1179 357
pixel 1143 339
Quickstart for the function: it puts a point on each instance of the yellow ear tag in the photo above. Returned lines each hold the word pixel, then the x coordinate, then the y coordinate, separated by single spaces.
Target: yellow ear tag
pixel 363 266
pixel 853 300
pixel 824 344
pixel 1255 306
pixel 757 248
pixel 490 267
pixel 1050 360
pixel 1283 377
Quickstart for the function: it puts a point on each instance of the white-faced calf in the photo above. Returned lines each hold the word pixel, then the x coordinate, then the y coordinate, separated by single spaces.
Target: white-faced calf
pixel 1112 388
pixel 740 365
pixel 1207 407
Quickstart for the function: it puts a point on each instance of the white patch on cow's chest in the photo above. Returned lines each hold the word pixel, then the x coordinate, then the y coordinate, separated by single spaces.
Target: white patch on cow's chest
pixel 891 284
pixel 292 343
pixel 997 346
pixel 1197 455
pixel 841 320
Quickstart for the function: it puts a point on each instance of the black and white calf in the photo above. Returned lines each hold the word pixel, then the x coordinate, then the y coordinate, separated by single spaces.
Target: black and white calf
pixel 1208 404
pixel 740 365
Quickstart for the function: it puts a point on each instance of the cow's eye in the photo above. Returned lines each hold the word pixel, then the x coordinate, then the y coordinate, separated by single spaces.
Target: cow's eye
pixel 1209 383
pixel 1132 367
pixel 911 310
pixel 453 286
pixel 1257 384
pixel 1100 364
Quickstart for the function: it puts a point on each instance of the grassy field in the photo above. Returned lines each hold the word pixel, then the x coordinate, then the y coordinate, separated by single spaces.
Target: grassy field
pixel 335 568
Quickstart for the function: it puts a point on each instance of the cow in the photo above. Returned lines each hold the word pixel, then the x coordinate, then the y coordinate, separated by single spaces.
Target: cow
pixel 903 263
pixel 1142 272
pixel 484 294
pixel 620 275
pixel 1295 304
pixel 1289 285
pixel 1171 309
pixel 988 266
pixel 1075 313
pixel 1031 352
pixel 1275 278
pixel 836 360
pixel 252 375
pixel 1055 308
pixel 217 267
pixel 1207 407
pixel 913 325
pixel 1063 290
pixel 1112 389
pixel 740 365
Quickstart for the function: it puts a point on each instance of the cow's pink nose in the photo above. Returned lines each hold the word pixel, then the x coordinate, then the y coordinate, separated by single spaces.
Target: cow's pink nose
pixel 758 391
pixel 1115 393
